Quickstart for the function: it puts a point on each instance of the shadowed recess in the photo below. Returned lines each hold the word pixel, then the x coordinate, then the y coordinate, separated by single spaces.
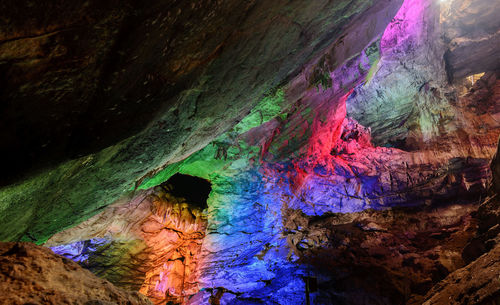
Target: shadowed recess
pixel 194 189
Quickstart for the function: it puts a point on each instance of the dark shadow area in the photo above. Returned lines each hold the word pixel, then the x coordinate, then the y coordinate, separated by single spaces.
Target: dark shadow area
pixel 194 189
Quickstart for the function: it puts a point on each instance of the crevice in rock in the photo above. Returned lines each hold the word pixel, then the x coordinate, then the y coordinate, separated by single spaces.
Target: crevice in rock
pixel 194 189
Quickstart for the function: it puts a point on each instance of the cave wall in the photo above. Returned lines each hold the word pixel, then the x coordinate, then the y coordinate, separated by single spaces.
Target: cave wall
pixel 309 151
pixel 32 274
pixel 479 278
pixel 148 245
pixel 181 92
pixel 470 28
pixel 330 133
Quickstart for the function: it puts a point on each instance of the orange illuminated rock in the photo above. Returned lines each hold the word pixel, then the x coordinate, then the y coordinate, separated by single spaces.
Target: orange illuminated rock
pixel 169 232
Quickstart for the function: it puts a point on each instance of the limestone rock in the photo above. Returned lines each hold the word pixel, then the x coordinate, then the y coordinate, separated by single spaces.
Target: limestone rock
pixel 471 30
pixel 167 78
pixel 149 244
pixel 380 257
pixel 31 274
pixel 364 168
pixel 477 283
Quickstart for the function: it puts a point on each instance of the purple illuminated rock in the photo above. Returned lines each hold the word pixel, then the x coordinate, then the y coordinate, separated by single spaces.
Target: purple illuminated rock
pixel 363 168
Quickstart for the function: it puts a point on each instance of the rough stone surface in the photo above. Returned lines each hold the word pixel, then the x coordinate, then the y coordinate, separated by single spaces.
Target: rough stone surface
pixel 218 61
pixel 31 274
pixel 472 31
pixel 409 104
pixel 149 244
pixel 477 283
pixel 364 158
pixel 380 257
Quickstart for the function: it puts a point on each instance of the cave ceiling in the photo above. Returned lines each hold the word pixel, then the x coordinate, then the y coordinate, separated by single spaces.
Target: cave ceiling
pixel 238 152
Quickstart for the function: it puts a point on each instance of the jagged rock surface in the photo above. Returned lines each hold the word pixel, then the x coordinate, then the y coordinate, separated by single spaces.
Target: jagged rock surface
pixel 149 244
pixel 408 104
pixel 182 72
pixel 479 281
pixel 308 150
pixel 301 150
pixel 31 274
pixel 472 32
pixel 380 257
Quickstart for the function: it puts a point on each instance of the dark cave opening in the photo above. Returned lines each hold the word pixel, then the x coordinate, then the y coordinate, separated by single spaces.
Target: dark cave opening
pixel 194 189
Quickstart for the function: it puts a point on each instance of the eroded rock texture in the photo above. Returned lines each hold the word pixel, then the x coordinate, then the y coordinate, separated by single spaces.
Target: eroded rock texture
pixel 344 154
pixel 471 29
pixel 479 281
pixel 149 244
pixel 381 257
pixel 182 72
pixel 31 274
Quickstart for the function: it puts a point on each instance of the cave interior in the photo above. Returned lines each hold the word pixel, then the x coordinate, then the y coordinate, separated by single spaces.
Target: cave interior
pixel 228 152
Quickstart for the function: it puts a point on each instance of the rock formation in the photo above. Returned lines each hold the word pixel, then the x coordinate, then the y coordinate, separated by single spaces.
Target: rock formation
pixel 166 79
pixel 343 150
pixel 478 282
pixel 148 244
pixel 470 28
pixel 31 274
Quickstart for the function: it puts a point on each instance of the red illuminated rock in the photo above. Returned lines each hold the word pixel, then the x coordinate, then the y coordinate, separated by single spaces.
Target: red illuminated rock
pixel 365 169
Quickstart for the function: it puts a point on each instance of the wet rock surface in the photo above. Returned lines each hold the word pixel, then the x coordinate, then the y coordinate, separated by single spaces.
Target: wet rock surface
pixel 31 274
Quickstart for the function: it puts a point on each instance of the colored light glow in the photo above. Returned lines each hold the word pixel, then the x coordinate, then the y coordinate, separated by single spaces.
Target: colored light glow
pixel 81 250
pixel 311 162
pixel 406 28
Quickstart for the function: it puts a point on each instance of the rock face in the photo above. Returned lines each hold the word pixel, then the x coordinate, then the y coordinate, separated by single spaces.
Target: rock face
pixel 149 245
pixel 406 95
pixel 471 29
pixel 183 73
pixel 279 176
pixel 31 274
pixel 409 104
pixel 478 282
pixel 362 169
pixel 380 257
